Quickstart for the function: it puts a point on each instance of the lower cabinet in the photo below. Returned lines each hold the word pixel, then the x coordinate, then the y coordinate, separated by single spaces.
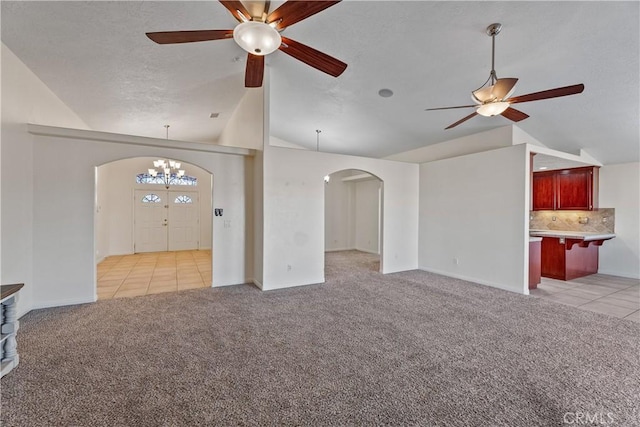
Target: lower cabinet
pixel 535 254
pixel 567 259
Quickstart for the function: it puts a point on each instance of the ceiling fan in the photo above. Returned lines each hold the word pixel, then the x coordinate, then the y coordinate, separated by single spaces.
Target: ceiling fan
pixel 493 97
pixel 260 36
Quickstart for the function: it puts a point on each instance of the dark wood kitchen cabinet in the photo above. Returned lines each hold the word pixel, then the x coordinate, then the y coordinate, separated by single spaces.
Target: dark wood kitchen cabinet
pixel 565 189
pixel 544 191
pixel 568 259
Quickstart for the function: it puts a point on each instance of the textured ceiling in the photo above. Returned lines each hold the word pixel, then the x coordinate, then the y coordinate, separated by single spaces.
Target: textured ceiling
pixel 96 58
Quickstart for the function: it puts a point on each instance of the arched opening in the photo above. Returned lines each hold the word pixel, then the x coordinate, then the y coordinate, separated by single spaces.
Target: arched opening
pixel 153 231
pixel 354 216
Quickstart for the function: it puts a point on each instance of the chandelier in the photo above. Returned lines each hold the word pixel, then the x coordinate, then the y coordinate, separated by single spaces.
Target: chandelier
pixel 167 170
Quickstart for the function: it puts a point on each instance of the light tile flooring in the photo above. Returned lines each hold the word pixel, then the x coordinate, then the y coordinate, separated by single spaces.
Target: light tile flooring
pixel 612 295
pixel 153 273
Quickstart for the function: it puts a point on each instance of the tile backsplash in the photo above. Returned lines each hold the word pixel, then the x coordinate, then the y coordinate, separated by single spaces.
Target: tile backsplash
pixel 595 221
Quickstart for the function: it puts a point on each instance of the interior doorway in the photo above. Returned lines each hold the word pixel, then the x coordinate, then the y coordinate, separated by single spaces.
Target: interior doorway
pixel 354 213
pixel 166 220
pixel 152 235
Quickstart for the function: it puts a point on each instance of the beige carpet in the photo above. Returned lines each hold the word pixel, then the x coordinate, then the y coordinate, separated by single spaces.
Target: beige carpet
pixel 363 349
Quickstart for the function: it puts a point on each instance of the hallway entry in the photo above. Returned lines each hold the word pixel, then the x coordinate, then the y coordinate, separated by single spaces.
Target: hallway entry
pixel 166 220
pixel 354 213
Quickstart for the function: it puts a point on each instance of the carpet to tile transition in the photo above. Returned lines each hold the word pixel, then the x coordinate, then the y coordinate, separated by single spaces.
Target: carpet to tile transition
pixel 409 348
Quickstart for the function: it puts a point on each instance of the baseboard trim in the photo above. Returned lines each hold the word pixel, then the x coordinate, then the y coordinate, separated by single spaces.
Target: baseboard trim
pixel 367 251
pixel 620 274
pixel 62 302
pixel 474 280
pixel 294 285
pixel 256 282
pixel 340 249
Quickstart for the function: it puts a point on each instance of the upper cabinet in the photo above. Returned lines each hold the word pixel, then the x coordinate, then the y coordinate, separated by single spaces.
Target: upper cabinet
pixel 544 191
pixel 565 189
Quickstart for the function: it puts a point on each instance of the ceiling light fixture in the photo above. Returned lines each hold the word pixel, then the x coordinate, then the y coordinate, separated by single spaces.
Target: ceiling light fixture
pixel 327 178
pixel 492 108
pixel 385 93
pixel 498 89
pixel 257 38
pixel 318 139
pixel 168 170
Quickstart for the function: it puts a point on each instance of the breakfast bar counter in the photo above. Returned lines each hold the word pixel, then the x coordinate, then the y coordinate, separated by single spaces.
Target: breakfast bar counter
pixel 567 255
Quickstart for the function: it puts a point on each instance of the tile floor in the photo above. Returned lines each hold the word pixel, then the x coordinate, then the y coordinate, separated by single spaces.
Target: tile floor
pixel 153 273
pixel 612 295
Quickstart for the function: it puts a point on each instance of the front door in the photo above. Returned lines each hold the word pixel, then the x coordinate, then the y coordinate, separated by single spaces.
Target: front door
pixel 150 222
pixel 184 224
pixel 166 220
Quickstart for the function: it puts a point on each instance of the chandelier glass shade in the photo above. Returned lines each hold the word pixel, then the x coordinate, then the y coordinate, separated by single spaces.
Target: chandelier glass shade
pixel 492 108
pixel 168 170
pixel 499 91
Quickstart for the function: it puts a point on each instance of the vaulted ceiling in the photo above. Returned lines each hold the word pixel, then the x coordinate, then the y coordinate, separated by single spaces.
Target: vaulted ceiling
pixel 96 58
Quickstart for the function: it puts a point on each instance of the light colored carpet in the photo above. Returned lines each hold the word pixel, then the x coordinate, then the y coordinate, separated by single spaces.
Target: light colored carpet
pixel 409 348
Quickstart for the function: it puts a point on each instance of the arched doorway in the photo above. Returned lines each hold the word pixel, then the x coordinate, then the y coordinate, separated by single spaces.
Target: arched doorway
pixel 152 235
pixel 354 214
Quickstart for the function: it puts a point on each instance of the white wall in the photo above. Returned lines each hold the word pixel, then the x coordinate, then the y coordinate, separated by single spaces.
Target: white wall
pixel 339 206
pixel 367 209
pixel 24 99
pixel 116 197
pixel 63 233
pixel 620 189
pixel 352 213
pixel 257 226
pixel 102 214
pixel 482 141
pixel 294 213
pixel 244 128
pixel 474 208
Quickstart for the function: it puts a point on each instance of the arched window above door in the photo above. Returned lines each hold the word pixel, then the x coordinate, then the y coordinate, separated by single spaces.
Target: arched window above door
pixel 145 178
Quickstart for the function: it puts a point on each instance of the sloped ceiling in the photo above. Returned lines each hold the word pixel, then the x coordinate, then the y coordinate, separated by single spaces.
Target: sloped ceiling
pixel 96 58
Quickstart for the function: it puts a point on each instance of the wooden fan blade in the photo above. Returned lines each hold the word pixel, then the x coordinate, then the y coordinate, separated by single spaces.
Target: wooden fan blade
pixel 464 119
pixel 450 108
pixel 170 37
pixel 294 11
pixel 255 70
pixel 310 56
pixel 546 94
pixel 514 115
pixel 237 8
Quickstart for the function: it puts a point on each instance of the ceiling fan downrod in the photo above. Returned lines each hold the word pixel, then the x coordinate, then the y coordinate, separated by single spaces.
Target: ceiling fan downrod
pixel 493 30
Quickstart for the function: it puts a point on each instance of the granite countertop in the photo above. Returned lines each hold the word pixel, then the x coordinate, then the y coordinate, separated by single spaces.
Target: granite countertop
pixel 579 235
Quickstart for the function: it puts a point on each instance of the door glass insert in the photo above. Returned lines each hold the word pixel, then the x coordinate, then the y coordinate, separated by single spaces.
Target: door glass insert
pixel 183 199
pixel 151 198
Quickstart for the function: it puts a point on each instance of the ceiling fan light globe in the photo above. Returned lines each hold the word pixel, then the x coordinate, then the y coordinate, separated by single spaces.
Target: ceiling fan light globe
pixel 492 108
pixel 257 37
